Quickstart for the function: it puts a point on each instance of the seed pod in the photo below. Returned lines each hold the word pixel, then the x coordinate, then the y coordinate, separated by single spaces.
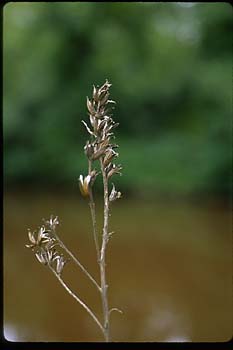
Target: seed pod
pixel 100 125
pixel 90 106
pixel 93 121
pixel 104 98
pixel 95 93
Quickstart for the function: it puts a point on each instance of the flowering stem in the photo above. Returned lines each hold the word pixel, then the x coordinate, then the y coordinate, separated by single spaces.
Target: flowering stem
pixel 104 286
pixel 78 300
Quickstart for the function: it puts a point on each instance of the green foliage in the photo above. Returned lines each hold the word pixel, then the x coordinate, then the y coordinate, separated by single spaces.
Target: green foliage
pixel 170 66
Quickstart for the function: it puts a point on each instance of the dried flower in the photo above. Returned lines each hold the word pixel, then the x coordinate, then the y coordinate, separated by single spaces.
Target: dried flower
pixel 114 194
pixel 42 257
pixel 84 183
pixel 115 169
pixel 52 222
pixel 60 263
pixel 43 236
pixel 53 258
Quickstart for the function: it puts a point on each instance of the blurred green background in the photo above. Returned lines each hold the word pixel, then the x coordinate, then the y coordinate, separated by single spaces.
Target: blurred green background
pixel 170 66
pixel 171 69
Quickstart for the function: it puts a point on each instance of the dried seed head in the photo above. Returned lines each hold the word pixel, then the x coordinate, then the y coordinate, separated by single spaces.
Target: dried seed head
pixel 43 236
pixel 101 130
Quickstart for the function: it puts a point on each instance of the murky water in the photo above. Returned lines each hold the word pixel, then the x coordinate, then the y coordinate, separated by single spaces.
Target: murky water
pixel 169 269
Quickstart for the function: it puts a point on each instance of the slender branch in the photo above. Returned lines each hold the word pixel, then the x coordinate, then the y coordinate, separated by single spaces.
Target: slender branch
pixel 104 286
pixel 93 215
pixel 77 262
pixel 78 299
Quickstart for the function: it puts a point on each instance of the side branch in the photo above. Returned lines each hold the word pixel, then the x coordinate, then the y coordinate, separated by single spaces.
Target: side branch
pixel 78 262
pixel 78 299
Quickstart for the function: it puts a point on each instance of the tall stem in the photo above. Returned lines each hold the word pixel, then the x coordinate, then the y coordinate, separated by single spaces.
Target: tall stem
pixel 105 238
pixel 93 216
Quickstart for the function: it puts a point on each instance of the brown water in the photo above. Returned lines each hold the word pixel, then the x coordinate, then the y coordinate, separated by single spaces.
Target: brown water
pixel 169 269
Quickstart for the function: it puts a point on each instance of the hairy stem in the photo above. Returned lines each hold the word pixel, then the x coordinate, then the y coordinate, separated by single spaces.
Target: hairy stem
pixel 77 262
pixel 93 216
pixel 105 238
pixel 78 300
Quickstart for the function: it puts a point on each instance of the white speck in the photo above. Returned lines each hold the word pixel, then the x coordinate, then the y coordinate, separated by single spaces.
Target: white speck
pixel 10 333
pixel 177 339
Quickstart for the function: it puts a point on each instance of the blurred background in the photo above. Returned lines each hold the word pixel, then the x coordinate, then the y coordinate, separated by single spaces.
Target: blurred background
pixel 170 262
